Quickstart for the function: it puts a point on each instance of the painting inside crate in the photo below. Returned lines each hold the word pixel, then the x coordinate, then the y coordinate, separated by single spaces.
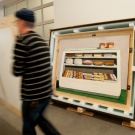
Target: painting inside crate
pixel 86 69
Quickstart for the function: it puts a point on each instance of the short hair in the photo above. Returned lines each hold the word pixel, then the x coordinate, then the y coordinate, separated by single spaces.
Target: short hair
pixel 29 24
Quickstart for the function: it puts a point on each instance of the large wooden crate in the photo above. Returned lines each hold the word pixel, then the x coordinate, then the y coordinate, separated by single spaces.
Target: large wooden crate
pixel 121 27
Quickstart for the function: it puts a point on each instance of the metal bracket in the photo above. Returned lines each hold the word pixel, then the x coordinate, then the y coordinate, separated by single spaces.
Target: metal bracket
pixel 130 50
pixel 128 87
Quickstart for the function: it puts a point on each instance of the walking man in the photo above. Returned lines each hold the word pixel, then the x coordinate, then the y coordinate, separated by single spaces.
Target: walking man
pixel 32 62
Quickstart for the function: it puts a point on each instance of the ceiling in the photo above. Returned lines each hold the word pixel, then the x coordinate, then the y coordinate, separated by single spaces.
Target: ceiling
pixel 7 2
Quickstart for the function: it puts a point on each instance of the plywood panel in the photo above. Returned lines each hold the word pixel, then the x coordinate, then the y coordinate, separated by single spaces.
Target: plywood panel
pixel 11 83
pixel 9 22
pixel 6 22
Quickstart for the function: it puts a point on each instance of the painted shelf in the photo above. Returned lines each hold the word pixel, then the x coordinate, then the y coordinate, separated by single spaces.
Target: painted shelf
pixel 113 57
pixel 103 66
pixel 108 88
pixel 109 81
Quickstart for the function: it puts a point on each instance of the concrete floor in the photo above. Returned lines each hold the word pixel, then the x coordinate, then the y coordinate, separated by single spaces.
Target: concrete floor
pixel 68 123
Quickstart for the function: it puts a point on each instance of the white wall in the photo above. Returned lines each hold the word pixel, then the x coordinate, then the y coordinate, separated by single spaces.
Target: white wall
pixel 1 11
pixel 77 12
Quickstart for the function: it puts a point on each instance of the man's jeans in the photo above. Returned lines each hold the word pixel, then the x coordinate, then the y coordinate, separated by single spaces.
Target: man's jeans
pixel 32 115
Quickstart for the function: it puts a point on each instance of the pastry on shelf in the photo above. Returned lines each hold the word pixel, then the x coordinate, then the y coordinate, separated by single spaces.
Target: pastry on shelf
pixel 101 79
pixel 78 61
pixel 95 73
pixel 114 77
pixel 67 73
pixel 78 54
pixel 80 75
pixel 100 73
pixel 96 79
pixel 109 63
pixel 102 45
pixel 98 63
pixel 70 55
pixel 108 75
pixel 87 76
pixel 101 76
pixel 97 55
pixel 71 75
pixel 106 78
pixel 69 61
pixel 107 55
pixel 87 62
pixel 77 75
pixel 74 76
pixel 87 55
pixel 95 76
pixel 110 44
pixel 64 74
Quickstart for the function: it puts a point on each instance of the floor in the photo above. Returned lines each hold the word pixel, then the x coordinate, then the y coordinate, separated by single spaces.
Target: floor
pixel 68 123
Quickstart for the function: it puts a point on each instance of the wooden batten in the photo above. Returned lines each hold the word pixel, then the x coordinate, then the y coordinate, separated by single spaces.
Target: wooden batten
pixel 12 108
pixel 3 90
pixel 8 22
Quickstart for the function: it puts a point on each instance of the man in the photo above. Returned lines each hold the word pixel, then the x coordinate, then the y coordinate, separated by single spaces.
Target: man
pixel 32 62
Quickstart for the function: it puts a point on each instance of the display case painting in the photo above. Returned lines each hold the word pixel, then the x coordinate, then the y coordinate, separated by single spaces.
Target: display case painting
pixel 86 67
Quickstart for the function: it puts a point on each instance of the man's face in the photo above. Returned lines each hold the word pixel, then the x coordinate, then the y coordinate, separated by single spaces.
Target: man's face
pixel 19 24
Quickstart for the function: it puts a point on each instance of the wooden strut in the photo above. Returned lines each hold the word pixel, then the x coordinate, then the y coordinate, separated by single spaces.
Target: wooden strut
pixel 130 124
pixel 80 110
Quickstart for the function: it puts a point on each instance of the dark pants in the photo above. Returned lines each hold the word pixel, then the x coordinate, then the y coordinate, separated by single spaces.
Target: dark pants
pixel 32 115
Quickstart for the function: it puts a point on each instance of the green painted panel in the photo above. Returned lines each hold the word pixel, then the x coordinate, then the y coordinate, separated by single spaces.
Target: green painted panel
pixel 122 98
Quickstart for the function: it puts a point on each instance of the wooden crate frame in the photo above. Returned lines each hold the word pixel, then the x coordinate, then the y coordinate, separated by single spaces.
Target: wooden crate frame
pixel 98 102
